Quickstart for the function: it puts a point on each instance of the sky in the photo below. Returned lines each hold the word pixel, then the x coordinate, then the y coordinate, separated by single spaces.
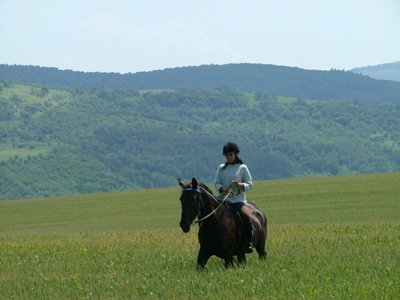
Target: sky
pixel 129 36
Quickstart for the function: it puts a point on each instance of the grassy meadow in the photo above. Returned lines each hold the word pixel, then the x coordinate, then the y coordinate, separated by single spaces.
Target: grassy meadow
pixel 329 238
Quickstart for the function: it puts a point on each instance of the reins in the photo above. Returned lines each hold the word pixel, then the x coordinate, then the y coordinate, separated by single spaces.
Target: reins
pixel 215 210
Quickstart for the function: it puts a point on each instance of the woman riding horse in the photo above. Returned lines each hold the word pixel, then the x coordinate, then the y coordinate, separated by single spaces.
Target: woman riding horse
pixel 233 178
pixel 220 232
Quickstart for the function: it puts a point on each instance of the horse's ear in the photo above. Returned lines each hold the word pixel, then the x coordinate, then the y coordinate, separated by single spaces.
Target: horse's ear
pixel 194 183
pixel 181 183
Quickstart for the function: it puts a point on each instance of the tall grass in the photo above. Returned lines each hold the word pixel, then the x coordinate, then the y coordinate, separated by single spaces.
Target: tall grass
pixel 328 238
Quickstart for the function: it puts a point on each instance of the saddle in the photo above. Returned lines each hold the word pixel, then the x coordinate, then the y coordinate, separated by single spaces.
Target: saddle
pixel 254 213
pixel 255 222
pixel 238 218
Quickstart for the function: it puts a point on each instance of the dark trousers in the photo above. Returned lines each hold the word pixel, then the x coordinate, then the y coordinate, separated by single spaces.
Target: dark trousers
pixel 247 227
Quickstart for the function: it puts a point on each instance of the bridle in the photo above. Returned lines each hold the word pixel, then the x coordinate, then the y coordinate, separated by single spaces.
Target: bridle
pixel 198 193
pixel 201 202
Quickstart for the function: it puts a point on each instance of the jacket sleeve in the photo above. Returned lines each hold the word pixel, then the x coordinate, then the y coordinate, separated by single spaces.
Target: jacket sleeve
pixel 217 182
pixel 247 180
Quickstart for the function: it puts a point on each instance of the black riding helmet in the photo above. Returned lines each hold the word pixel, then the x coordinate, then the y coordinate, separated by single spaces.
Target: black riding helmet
pixel 230 147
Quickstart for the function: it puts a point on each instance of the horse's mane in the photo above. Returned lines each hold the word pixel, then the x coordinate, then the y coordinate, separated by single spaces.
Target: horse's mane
pixel 206 188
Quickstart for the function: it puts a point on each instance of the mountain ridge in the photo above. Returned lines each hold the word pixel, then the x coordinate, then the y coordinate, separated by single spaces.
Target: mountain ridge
pixel 282 80
pixel 388 71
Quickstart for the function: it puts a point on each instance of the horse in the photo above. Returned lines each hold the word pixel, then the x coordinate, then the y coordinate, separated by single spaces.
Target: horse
pixel 220 230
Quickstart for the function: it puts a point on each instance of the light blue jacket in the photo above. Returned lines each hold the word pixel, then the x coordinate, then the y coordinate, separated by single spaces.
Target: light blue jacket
pixel 224 177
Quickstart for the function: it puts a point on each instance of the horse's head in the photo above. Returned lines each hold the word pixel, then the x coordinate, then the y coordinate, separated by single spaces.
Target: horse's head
pixel 190 201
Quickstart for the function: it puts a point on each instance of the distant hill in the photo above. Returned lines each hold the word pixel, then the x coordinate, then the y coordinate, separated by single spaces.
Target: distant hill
pixel 390 71
pixel 281 80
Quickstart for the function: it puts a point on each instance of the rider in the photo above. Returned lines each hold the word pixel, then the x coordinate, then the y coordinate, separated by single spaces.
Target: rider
pixel 233 177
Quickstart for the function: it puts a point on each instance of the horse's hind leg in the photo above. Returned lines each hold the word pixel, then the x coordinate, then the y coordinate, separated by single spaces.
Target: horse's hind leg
pixel 262 253
pixel 202 258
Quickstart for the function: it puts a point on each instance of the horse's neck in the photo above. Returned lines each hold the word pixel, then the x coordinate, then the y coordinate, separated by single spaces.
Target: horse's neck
pixel 209 201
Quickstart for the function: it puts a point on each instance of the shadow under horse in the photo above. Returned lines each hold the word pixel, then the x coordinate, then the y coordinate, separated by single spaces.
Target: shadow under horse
pixel 220 229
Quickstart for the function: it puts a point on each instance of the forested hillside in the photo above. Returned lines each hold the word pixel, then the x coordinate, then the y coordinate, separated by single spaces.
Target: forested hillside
pixel 73 140
pixel 283 81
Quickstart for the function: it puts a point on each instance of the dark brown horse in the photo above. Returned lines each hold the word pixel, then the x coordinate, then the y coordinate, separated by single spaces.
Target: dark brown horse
pixel 220 230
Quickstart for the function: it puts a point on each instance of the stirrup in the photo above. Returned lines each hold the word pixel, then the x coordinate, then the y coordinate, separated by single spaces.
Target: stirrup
pixel 249 248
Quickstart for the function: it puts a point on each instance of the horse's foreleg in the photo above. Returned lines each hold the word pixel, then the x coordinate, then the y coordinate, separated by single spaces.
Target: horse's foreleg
pixel 202 258
pixel 229 262
pixel 241 258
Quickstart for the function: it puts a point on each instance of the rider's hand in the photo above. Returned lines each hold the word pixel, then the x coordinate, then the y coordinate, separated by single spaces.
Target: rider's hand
pixel 225 190
pixel 237 183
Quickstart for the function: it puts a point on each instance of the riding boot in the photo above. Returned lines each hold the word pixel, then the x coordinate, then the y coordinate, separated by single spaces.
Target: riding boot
pixel 248 237
pixel 247 229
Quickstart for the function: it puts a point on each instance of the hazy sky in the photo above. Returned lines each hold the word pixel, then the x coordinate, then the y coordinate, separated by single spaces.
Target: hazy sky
pixel 131 36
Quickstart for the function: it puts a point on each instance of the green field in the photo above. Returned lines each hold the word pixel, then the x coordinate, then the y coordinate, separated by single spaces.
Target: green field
pixel 329 238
